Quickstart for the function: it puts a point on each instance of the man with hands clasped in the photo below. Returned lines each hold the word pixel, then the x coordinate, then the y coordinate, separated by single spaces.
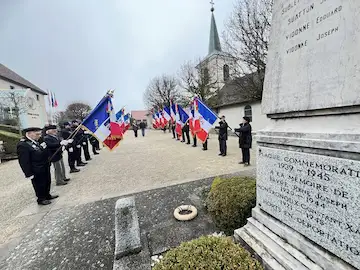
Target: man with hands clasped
pixel 33 158
pixel 56 148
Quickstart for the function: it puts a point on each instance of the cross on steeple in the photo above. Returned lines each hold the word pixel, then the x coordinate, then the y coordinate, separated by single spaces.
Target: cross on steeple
pixel 212 5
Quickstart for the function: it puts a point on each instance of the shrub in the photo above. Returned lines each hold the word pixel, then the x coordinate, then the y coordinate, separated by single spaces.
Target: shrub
pixel 10 141
pixel 208 252
pixel 230 201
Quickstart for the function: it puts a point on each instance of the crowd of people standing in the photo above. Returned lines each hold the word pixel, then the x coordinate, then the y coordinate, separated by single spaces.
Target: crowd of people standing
pixel 42 147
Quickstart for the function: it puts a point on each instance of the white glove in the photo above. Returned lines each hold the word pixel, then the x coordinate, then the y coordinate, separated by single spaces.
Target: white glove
pixel 43 145
pixel 84 143
pixel 71 149
pixel 86 132
pixel 64 142
pixel 63 148
pixel 30 177
pixel 78 146
pixel 70 140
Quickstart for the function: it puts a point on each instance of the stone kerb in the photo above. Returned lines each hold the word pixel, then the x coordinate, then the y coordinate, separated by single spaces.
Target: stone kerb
pixel 127 230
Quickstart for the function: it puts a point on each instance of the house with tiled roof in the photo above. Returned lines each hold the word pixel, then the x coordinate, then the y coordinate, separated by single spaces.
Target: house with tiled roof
pixel 30 100
pixel 141 115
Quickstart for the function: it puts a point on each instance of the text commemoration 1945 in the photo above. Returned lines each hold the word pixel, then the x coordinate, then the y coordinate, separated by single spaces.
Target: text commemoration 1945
pixel 318 196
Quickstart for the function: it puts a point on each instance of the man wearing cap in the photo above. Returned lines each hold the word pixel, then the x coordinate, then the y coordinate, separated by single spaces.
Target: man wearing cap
pixel 223 136
pixel 85 144
pixel 245 140
pixel 33 158
pixel 56 147
pixel 78 140
pixel 65 135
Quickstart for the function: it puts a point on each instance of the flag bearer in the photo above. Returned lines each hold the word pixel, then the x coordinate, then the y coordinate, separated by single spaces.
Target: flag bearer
pixel 223 136
pixel 34 162
pixel 78 141
pixel 65 134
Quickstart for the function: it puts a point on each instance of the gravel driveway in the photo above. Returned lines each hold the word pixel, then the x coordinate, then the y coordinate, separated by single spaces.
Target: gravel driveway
pixel 138 164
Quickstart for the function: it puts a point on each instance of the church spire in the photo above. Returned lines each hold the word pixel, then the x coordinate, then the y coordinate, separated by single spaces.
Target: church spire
pixel 214 41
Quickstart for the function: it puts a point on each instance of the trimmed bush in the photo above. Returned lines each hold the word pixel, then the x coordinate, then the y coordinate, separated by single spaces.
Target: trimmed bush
pixel 230 201
pixel 208 253
pixel 10 141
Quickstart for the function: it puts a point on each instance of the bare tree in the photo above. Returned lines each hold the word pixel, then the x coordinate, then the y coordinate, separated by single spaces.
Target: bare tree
pixel 161 90
pixel 246 38
pixel 196 80
pixel 60 117
pixel 77 110
pixel 16 104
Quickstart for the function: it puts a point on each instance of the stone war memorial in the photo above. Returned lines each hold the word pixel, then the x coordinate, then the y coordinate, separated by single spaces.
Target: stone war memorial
pixel 308 168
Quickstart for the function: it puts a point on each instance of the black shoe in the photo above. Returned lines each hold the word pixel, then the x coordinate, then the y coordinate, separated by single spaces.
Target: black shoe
pixel 204 149
pixel 224 155
pixel 182 141
pixel 96 153
pixel 67 179
pixel 242 162
pixel 81 165
pixel 74 170
pixel 193 145
pixel 44 202
pixel 188 143
pixel 220 154
pixel 51 197
pixel 61 184
pixel 89 159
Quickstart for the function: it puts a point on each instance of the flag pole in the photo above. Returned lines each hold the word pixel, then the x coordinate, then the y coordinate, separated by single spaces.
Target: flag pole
pixel 109 93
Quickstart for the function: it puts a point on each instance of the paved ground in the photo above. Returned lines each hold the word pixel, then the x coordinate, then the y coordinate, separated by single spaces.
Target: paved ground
pixel 137 165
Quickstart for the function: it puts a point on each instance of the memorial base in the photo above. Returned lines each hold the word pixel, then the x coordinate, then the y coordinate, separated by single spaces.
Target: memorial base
pixel 279 247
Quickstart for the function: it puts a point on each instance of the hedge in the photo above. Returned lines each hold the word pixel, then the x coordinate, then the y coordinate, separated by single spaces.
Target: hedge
pixel 208 253
pixel 230 201
pixel 10 141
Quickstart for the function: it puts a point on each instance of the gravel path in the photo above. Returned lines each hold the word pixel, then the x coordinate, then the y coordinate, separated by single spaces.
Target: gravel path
pixel 138 164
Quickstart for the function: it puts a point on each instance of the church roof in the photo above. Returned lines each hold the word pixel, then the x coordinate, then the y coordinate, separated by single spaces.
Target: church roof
pixel 11 76
pixel 238 90
pixel 214 40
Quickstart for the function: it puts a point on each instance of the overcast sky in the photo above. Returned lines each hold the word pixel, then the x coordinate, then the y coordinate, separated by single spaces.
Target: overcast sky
pixel 80 48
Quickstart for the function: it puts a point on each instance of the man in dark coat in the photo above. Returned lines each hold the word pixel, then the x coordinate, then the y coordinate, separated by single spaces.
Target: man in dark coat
pixel 142 127
pixel 173 126
pixel 94 143
pixel 55 147
pixel 85 144
pixel 33 158
pixel 70 147
pixel 135 129
pixel 245 140
pixel 78 141
pixel 223 136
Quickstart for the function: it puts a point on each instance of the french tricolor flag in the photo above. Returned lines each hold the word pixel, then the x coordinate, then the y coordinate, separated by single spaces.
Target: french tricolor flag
pixel 166 115
pixel 204 119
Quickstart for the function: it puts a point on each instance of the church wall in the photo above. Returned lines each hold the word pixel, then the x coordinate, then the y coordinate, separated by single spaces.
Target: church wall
pixel 235 113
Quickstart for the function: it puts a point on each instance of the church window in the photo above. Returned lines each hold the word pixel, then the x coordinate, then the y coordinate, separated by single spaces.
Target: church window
pixel 248 112
pixel 226 72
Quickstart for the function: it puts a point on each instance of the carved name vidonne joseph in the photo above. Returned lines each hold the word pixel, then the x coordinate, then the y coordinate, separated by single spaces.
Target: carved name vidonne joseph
pixel 316 195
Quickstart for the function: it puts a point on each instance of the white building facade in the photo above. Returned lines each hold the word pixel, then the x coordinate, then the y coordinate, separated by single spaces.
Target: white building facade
pixel 30 99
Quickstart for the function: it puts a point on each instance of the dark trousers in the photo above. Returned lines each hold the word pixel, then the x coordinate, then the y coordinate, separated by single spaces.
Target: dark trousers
pixel 143 132
pixel 86 151
pixel 187 133
pixel 195 141
pixel 97 145
pixel 183 135
pixel 205 144
pixel 173 132
pixel 245 155
pixel 71 159
pixel 94 148
pixel 135 133
pixel 77 152
pixel 41 183
pixel 223 147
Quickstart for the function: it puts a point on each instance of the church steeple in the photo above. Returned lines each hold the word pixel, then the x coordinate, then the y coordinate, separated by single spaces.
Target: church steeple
pixel 214 41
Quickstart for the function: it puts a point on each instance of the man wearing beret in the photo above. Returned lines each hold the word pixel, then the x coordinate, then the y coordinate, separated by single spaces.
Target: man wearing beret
pixel 34 162
pixel 56 147
pixel 245 140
